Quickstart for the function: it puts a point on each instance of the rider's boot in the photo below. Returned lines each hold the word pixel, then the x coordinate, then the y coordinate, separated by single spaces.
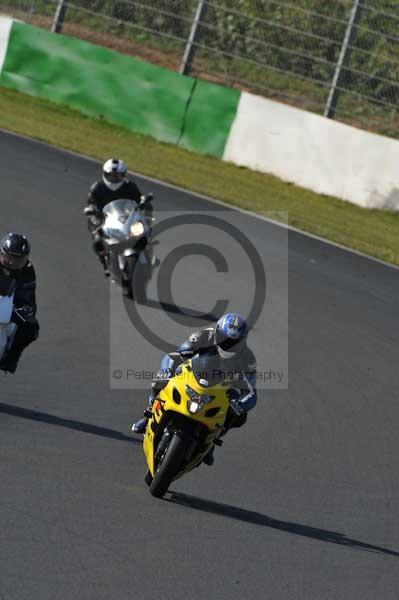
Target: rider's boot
pixel 209 459
pixel 9 364
pixel 141 425
pixel 105 265
pixel 157 385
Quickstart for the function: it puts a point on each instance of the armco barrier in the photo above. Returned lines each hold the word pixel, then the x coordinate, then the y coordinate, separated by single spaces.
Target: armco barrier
pixel 131 93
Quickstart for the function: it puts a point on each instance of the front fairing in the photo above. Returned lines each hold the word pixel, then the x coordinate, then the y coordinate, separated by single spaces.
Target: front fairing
pixel 119 216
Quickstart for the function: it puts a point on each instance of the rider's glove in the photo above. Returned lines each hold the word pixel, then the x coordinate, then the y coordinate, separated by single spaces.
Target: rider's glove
pixel 161 376
pixel 235 403
pixel 160 381
pixel 237 406
pixel 24 313
pixel 91 210
pixel 186 350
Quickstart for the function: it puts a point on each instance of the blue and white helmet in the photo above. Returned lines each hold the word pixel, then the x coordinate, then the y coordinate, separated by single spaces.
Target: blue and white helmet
pixel 230 333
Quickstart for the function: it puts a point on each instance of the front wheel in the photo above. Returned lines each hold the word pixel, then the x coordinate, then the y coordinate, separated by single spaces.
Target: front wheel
pixel 138 281
pixel 168 466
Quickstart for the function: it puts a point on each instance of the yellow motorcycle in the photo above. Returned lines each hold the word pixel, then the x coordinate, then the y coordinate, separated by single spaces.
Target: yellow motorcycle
pixel 186 420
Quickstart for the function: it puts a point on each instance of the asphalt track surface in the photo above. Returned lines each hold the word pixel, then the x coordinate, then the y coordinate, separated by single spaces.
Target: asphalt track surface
pixel 302 503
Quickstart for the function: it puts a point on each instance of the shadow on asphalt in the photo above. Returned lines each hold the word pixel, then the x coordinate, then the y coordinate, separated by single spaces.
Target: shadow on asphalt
pixel 188 313
pixel 34 415
pixel 248 516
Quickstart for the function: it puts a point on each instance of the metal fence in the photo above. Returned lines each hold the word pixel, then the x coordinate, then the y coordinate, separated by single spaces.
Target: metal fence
pixel 339 58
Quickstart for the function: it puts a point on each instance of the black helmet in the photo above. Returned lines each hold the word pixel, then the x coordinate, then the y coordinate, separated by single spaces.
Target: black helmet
pixel 14 251
pixel 114 173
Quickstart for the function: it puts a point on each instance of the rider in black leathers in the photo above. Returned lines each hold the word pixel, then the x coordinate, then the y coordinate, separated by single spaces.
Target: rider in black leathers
pixel 16 270
pixel 113 186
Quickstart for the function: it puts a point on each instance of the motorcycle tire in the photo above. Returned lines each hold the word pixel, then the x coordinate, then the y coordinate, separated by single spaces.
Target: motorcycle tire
pixel 138 283
pixel 168 466
pixel 127 276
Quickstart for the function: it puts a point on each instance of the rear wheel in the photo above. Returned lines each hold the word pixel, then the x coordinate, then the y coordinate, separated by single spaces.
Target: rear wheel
pixel 168 466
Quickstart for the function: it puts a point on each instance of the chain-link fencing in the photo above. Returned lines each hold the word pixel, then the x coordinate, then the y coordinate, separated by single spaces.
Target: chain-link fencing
pixel 338 58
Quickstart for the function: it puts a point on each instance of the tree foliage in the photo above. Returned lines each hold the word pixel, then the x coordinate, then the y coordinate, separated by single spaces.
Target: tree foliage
pixel 297 39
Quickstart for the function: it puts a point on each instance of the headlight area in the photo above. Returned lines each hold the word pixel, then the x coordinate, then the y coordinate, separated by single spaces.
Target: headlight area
pixel 196 402
pixel 137 229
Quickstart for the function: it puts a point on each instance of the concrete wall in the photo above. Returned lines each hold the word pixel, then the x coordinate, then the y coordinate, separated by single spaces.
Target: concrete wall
pixel 314 152
pixel 5 29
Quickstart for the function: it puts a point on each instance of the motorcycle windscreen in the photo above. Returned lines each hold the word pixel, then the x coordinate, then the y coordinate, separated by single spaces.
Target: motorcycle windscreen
pixel 121 208
pixel 119 215
pixel 208 369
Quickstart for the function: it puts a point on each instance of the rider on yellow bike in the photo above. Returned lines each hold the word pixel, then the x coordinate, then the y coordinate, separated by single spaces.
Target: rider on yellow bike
pixel 228 339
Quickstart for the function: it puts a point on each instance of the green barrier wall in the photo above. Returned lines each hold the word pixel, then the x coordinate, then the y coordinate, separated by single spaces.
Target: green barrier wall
pixel 209 118
pixel 128 92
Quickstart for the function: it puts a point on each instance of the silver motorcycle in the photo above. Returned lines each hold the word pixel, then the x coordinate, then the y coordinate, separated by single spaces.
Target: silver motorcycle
pixel 126 231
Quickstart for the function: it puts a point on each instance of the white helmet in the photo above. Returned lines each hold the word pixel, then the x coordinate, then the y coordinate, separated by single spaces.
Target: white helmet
pixel 114 173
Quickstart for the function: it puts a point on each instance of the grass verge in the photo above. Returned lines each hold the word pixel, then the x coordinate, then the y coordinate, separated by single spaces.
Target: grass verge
pixel 375 232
